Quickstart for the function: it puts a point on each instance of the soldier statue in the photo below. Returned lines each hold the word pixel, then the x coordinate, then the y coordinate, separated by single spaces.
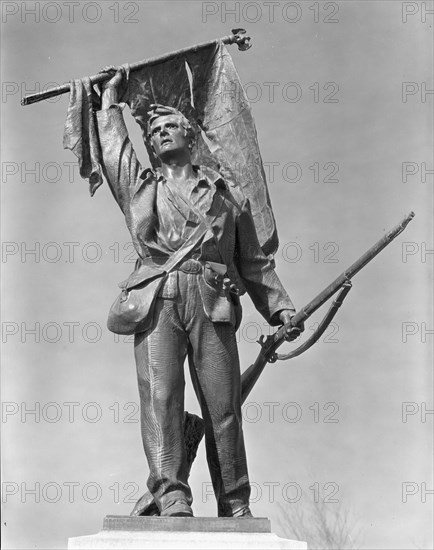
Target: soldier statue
pixel 196 311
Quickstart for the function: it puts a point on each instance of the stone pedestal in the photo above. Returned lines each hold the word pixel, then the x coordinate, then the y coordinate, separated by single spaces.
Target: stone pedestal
pixel 155 533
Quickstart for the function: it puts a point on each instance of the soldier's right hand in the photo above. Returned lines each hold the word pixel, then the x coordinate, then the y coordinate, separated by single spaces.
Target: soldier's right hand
pixel 114 88
pixel 117 74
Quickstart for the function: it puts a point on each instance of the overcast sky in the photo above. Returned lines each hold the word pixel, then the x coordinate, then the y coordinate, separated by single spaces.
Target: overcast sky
pixel 340 96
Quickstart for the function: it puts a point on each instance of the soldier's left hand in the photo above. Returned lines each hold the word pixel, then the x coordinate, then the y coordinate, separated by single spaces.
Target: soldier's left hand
pixel 292 331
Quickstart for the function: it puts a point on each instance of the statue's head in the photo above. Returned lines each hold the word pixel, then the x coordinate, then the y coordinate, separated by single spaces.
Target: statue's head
pixel 168 131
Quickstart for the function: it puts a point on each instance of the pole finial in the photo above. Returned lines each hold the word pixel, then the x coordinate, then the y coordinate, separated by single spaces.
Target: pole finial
pixel 243 42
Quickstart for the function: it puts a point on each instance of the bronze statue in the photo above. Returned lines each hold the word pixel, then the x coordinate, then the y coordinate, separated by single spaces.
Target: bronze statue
pixel 195 311
pixel 199 247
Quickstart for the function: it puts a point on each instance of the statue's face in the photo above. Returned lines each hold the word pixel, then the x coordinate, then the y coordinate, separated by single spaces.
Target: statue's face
pixel 168 136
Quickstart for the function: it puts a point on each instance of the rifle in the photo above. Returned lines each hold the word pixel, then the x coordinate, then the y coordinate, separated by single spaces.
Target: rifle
pixel 194 425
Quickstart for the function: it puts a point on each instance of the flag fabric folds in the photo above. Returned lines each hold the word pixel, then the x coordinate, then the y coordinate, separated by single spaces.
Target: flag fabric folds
pixel 80 133
pixel 204 85
pixel 227 121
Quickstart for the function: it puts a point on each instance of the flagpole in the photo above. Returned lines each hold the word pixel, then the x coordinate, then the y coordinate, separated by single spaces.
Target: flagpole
pixel 237 37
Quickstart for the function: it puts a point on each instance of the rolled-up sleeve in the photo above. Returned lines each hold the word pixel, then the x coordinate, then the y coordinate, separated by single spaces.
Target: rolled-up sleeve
pixel 258 275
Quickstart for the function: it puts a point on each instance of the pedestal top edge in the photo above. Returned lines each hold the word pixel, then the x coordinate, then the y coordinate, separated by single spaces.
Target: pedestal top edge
pixel 200 524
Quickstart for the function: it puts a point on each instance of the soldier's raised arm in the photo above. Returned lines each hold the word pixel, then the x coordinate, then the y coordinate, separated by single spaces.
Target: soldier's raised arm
pixel 120 164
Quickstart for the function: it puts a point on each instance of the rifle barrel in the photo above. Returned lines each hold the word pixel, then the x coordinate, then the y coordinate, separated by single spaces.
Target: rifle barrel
pixel 359 264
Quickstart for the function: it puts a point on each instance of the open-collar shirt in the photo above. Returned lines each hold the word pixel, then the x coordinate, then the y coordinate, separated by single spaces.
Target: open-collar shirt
pixel 179 207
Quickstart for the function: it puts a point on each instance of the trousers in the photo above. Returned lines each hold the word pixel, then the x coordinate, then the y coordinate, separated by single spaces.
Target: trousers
pixel 181 329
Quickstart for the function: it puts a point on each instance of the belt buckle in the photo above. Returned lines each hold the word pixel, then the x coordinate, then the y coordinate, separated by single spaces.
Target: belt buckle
pixel 196 266
pixel 191 266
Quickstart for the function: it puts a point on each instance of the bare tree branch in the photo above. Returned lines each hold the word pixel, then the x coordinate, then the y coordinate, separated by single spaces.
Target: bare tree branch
pixel 324 526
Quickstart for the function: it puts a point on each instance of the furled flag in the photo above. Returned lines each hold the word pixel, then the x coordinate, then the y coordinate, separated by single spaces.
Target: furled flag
pixel 204 85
